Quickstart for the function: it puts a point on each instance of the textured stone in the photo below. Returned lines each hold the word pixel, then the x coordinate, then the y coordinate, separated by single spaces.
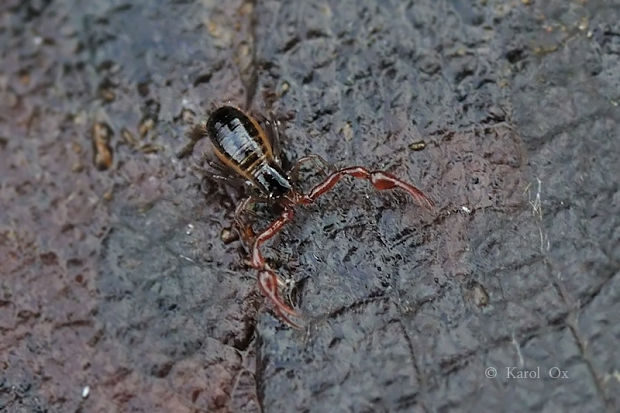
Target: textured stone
pixel 119 280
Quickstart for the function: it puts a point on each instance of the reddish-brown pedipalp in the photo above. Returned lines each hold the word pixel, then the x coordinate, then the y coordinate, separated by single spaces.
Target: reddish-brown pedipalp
pixel 241 144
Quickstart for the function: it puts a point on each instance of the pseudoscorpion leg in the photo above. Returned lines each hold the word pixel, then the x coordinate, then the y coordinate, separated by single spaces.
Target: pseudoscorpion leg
pixel 267 278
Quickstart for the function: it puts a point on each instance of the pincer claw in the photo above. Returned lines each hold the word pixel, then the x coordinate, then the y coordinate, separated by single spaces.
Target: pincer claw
pixel 268 282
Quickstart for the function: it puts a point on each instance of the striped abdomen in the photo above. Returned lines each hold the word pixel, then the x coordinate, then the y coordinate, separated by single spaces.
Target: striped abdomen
pixel 240 143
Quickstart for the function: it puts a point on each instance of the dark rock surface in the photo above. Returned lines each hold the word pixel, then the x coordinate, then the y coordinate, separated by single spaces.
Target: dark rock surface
pixel 114 277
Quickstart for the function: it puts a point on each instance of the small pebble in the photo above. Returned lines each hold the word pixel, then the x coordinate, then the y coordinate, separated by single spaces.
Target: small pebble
pixel 101 139
pixel 146 125
pixel 228 235
pixel 480 296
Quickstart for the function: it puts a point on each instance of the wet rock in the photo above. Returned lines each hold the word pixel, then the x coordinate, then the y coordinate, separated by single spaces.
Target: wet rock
pixel 122 282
